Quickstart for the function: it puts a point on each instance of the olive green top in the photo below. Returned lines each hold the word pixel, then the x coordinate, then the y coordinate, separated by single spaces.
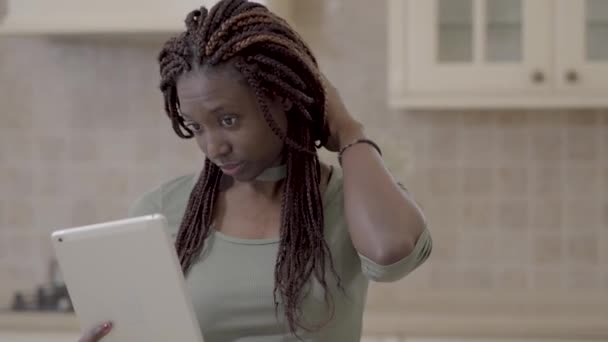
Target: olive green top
pixel 231 284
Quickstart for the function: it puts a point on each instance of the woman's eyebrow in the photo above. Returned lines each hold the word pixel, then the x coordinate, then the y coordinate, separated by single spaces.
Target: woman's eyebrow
pixel 217 111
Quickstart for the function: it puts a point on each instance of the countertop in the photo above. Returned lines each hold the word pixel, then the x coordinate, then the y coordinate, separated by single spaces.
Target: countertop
pixel 38 321
pixel 579 315
pixel 394 311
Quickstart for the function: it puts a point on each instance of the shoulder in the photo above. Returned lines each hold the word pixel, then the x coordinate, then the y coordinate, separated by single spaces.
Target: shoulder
pixel 178 185
pixel 162 196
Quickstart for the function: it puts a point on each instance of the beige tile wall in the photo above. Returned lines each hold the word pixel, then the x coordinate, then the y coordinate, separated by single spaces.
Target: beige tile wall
pixel 516 199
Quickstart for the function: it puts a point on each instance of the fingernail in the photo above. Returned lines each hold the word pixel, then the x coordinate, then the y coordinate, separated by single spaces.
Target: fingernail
pixel 107 326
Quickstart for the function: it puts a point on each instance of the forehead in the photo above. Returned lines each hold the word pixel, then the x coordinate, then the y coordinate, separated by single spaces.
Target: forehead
pixel 211 87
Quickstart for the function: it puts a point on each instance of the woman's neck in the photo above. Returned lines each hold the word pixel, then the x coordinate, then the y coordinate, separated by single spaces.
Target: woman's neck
pixel 268 184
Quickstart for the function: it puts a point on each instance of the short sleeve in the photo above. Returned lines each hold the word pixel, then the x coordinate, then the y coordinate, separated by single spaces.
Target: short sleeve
pixel 401 268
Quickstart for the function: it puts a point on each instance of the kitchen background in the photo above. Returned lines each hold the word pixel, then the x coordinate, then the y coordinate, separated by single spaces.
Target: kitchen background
pixel 517 199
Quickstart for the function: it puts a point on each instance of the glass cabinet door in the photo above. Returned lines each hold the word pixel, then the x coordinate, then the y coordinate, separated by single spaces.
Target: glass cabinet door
pixel 481 45
pixel 455 31
pixel 596 27
pixel 582 61
pixel 501 27
pixel 504 31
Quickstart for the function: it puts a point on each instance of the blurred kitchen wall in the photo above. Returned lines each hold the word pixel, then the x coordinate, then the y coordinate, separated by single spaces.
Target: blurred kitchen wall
pixel 515 199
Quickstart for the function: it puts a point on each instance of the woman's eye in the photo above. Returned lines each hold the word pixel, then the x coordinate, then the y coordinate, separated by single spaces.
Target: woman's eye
pixel 228 121
pixel 193 126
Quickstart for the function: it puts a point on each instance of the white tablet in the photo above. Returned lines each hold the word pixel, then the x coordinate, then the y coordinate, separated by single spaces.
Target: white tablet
pixel 127 272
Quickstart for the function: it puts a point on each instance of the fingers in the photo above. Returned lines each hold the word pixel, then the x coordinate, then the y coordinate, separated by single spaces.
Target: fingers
pixel 97 333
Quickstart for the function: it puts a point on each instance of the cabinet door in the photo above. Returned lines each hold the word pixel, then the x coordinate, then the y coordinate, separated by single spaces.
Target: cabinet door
pixel 582 46
pixel 480 46
pixel 106 17
pixel 80 16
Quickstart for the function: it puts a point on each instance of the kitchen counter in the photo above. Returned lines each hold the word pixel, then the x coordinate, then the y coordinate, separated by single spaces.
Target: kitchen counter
pixel 394 311
pixel 574 315
pixel 36 321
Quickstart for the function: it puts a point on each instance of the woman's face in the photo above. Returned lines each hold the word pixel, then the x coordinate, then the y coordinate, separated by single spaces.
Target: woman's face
pixel 222 111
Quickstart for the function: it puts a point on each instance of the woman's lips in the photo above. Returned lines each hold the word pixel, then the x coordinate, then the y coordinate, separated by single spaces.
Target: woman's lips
pixel 231 169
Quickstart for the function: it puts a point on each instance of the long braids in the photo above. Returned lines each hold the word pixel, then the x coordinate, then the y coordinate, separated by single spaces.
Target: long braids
pixel 274 60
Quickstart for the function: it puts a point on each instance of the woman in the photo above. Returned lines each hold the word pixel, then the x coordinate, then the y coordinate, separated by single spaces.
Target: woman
pixel 275 245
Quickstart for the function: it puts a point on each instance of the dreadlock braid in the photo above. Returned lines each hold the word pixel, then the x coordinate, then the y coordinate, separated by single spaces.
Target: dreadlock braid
pixel 273 59
pixel 282 70
pixel 234 24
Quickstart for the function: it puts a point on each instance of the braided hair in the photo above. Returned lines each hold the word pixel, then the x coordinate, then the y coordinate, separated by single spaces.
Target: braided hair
pixel 273 60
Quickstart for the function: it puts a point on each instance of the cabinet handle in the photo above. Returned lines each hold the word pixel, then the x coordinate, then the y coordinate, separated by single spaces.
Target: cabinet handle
pixel 538 76
pixel 572 76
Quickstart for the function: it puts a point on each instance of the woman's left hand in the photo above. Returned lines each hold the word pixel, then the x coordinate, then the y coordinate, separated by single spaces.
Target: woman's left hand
pixel 343 128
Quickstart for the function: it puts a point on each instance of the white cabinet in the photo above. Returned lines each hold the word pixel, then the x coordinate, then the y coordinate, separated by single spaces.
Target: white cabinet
pixel 498 53
pixel 104 17
pixel 582 31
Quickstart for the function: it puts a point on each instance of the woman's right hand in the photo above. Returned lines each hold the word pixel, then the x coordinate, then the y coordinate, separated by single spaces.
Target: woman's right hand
pixel 96 333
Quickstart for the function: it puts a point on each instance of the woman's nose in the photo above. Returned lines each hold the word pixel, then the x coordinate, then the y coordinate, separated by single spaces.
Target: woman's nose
pixel 216 147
